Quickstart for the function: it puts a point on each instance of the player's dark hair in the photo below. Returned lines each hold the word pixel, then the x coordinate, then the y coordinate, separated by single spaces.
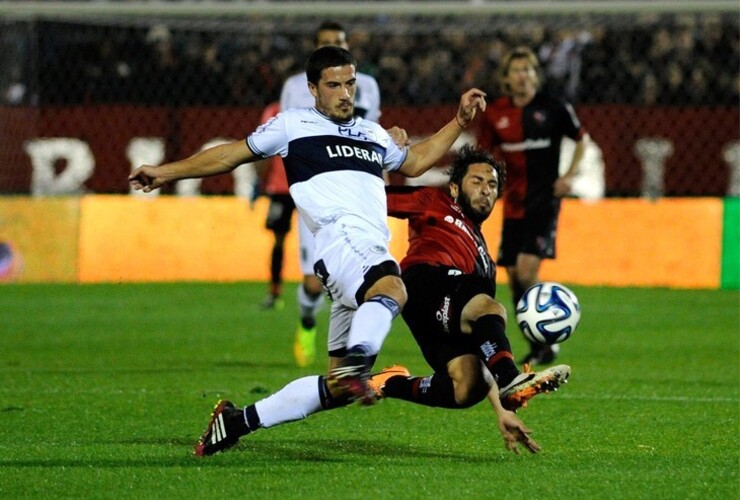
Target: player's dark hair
pixel 468 155
pixel 327 26
pixel 326 57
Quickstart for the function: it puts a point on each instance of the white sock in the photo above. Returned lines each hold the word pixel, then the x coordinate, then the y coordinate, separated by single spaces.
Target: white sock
pixel 370 325
pixel 297 400
pixel 310 306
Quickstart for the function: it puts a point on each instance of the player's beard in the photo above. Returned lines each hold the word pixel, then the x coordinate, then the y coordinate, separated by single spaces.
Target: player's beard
pixel 477 216
pixel 343 114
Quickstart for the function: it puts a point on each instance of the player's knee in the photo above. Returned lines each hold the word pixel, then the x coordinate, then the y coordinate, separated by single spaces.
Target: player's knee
pixel 482 305
pixel 312 285
pixel 390 286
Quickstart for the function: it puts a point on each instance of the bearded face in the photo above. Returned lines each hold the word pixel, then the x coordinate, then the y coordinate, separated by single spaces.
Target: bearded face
pixel 477 192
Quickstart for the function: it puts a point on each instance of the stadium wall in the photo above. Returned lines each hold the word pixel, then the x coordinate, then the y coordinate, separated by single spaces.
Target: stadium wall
pixel 672 242
pixel 95 146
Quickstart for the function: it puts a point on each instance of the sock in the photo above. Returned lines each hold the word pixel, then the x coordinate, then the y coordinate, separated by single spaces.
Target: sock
pixel 297 400
pixel 276 269
pixel 372 322
pixel 490 341
pixel 436 390
pixel 251 421
pixel 329 402
pixel 310 305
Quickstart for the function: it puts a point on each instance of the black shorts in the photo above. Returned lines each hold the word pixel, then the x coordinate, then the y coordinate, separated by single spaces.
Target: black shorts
pixel 280 213
pixel 437 296
pixel 533 235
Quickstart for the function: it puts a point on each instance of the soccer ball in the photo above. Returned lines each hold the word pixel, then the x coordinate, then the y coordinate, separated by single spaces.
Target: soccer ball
pixel 548 313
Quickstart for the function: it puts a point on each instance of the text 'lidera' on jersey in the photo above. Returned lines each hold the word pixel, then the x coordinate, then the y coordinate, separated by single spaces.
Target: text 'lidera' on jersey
pixel 345 151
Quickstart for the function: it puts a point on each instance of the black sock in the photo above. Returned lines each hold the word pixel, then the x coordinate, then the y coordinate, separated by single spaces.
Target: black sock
pixel 329 402
pixel 490 342
pixel 436 390
pixel 248 421
pixel 276 264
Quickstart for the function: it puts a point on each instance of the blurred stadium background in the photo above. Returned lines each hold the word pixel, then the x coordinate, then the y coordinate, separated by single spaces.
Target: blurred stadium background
pixel 90 89
pixel 656 83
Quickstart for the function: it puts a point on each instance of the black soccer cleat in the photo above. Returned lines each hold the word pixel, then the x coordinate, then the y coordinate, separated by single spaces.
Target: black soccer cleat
pixel 223 431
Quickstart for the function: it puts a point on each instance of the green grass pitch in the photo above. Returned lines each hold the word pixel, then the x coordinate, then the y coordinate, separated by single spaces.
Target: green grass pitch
pixel 105 389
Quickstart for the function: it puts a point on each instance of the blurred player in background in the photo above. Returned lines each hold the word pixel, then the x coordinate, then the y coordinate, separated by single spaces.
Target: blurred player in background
pixel 525 128
pixel 451 310
pixel 335 163
pixel 296 94
pixel 279 215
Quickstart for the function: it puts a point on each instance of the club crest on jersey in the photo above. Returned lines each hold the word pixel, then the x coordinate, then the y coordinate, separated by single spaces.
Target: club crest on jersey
pixel 344 151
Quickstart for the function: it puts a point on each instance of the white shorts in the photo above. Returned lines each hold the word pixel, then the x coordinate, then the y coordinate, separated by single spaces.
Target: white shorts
pixel 345 251
pixel 305 247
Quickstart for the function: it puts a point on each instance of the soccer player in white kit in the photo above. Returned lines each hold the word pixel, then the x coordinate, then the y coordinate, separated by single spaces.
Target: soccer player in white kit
pixel 295 94
pixel 334 164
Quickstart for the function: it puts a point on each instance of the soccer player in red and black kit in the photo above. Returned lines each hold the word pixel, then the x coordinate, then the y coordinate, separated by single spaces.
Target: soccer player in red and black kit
pixel 451 310
pixel 525 129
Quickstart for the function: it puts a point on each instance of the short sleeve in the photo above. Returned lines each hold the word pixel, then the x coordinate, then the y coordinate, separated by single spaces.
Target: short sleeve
pixel 270 138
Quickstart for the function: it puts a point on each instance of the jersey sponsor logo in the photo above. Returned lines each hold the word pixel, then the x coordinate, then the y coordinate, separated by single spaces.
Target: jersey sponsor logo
pixel 529 144
pixel 362 135
pixel 482 252
pixel 344 151
pixel 540 117
pixel 443 314
pixel 459 224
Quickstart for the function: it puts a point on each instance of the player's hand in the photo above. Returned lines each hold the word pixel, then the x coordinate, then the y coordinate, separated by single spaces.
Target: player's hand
pixel 515 433
pixel 563 186
pixel 145 178
pixel 399 136
pixel 470 102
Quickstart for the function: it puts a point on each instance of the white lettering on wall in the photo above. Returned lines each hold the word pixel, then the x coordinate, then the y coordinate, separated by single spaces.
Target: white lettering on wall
pixel 45 152
pixel 245 176
pixel 731 155
pixel 653 153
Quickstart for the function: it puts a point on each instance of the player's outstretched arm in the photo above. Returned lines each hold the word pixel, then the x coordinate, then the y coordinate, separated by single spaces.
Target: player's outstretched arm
pixel 212 161
pixel 423 155
pixel 512 429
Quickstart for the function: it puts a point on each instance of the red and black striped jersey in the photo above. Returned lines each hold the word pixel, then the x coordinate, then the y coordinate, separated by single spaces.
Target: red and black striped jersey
pixel 439 233
pixel 528 140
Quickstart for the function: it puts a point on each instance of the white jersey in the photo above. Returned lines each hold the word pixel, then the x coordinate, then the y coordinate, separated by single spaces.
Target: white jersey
pixel 334 169
pixel 295 94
